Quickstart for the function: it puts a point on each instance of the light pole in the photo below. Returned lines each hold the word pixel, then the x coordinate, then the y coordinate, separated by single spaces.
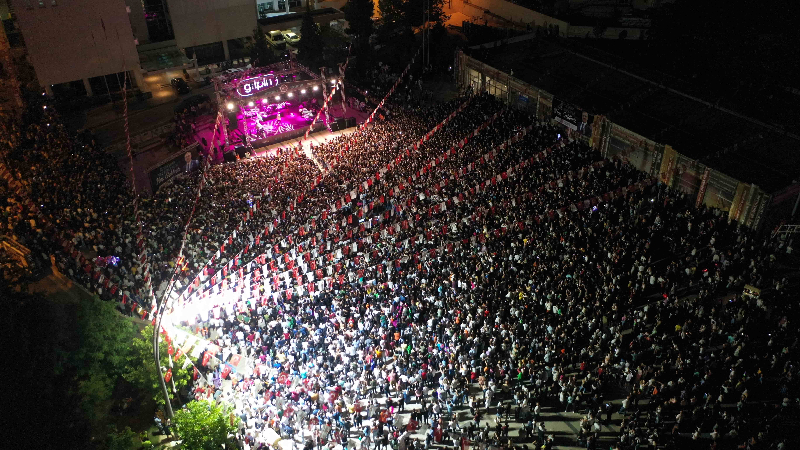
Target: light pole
pixel 157 355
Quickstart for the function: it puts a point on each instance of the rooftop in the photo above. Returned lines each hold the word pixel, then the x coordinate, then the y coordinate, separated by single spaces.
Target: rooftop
pixel 748 149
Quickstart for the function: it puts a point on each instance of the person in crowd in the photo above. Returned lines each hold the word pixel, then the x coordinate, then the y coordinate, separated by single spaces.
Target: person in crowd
pixel 457 257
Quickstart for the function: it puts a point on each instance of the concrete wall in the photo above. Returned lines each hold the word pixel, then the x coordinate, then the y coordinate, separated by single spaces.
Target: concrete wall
pixel 138 24
pixel 338 4
pixel 198 22
pixel 507 10
pixel 77 39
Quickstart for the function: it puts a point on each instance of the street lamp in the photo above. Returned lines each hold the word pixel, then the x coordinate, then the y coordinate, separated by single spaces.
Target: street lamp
pixel 157 355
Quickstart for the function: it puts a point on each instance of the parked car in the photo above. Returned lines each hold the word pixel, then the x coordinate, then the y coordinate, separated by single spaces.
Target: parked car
pixel 180 85
pixel 275 39
pixel 291 37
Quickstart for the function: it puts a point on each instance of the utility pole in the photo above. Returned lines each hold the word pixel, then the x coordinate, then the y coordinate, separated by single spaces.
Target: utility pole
pixel 423 35
pixel 427 30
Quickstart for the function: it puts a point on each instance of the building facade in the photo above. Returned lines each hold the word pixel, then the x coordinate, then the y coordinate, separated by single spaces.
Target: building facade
pixel 77 40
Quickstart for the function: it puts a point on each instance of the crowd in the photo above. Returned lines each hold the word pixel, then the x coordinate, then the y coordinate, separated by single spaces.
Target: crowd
pixel 519 303
pixel 449 272
pixel 185 121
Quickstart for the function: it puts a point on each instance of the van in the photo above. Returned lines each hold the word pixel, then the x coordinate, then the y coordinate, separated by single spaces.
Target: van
pixel 276 40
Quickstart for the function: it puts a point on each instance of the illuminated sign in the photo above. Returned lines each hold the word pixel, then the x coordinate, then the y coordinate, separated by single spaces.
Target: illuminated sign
pixel 250 86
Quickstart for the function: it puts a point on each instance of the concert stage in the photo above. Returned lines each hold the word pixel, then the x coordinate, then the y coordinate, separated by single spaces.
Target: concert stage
pixel 263 123
pixel 267 107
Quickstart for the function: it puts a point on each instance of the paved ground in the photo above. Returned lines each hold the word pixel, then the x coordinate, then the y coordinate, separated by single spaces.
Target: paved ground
pixel 563 427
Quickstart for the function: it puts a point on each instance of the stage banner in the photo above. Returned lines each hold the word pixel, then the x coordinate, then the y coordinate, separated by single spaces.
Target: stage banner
pixel 701 193
pixel 184 160
pixel 739 201
pixel 596 131
pixel 566 114
pixel 668 161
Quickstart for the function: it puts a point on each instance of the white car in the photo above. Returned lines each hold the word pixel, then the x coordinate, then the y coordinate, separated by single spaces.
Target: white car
pixel 291 37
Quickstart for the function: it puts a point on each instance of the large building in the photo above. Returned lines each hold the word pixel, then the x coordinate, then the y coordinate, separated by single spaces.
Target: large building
pixel 78 40
pixel 201 22
pixel 85 47
pixel 214 29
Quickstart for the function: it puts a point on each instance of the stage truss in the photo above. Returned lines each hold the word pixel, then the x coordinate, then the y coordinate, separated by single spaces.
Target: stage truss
pixel 271 99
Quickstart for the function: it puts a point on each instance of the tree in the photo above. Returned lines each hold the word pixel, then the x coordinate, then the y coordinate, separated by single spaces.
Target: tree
pixel 141 369
pixel 335 45
pixel 121 440
pixel 413 11
pixel 204 425
pixel 68 357
pixel 261 53
pixel 391 10
pixel 310 48
pixel 395 37
pixel 358 14
pixel 99 358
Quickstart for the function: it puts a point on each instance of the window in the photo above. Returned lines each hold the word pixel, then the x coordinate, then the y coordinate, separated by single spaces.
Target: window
pixel 41 3
pixel 53 3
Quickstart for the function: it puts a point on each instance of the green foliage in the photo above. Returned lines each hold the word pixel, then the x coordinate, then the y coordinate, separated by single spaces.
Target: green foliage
pixel 261 53
pixel 99 357
pixel 310 48
pixel 391 10
pixel 141 370
pixel 104 336
pixel 411 11
pixel 396 32
pixel 69 357
pixel 204 425
pixel 121 440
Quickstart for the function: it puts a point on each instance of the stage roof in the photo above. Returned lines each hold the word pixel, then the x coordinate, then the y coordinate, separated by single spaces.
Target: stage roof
pixel 742 147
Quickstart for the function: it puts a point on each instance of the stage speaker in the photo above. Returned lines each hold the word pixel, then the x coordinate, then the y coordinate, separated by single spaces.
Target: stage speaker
pixel 342 123
pixel 233 120
pixel 335 125
pixel 229 157
pixel 351 122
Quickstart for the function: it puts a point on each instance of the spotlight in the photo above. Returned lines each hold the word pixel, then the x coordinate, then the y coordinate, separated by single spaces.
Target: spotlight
pixel 44 107
pixel 302 91
pixel 290 95
pixel 251 104
pixel 277 97
pixel 333 81
pixel 264 101
pixel 316 88
pixel 230 106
